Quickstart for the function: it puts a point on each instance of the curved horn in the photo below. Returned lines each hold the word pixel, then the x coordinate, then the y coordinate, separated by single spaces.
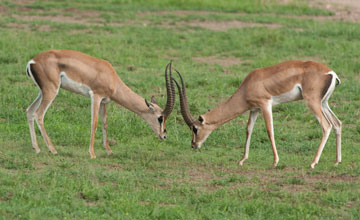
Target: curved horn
pixel 183 102
pixel 170 93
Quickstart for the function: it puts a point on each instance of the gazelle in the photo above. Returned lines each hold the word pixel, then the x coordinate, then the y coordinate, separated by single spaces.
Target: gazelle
pixel 97 79
pixel 264 88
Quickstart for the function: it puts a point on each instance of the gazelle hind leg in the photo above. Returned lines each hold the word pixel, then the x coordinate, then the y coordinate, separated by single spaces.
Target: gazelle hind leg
pixel 267 111
pixel 316 108
pixel 337 125
pixel 30 112
pixel 250 125
pixel 46 101
pixel 104 128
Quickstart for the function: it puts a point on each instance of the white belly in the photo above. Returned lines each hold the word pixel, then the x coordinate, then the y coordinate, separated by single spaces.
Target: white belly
pixel 293 95
pixel 73 86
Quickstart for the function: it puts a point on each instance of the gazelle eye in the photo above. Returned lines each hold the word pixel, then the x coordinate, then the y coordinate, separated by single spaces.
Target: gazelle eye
pixel 160 119
pixel 195 130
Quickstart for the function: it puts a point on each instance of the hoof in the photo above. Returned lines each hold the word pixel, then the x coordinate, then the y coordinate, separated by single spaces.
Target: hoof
pixel 337 163
pixel 312 166
pixel 241 162
pixel 275 164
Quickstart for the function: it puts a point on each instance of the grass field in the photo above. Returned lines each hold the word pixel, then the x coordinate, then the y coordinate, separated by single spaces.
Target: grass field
pixel 214 44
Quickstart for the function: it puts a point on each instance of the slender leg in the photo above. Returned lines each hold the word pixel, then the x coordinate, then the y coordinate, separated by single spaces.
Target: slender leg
pixel 95 106
pixel 267 111
pixel 317 109
pixel 40 113
pixel 337 125
pixel 30 112
pixel 250 125
pixel 104 128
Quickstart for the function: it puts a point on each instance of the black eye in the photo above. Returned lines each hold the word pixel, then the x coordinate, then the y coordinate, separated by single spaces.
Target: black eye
pixel 160 119
pixel 195 130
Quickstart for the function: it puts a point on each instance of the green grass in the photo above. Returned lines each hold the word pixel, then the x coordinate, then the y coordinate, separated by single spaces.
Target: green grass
pixel 149 179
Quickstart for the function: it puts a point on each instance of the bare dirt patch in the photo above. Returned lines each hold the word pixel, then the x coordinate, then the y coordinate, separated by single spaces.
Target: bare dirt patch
pixel 23 2
pixel 225 62
pixel 25 27
pixel 345 10
pixel 3 9
pixel 225 25
pixel 79 19
pixel 176 12
pixel 57 18
pixel 83 13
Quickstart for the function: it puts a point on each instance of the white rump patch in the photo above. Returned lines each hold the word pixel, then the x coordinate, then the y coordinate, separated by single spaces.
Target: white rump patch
pixel 324 101
pixel 28 70
pixel 73 86
pixel 293 95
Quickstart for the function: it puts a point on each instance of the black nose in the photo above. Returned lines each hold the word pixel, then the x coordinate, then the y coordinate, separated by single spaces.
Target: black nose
pixel 165 137
pixel 193 145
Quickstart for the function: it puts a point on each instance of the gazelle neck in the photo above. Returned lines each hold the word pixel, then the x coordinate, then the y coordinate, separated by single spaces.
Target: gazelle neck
pixel 227 110
pixel 126 97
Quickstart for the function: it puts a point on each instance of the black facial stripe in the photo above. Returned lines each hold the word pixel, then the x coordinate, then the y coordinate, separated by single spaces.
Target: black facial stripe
pixel 195 130
pixel 160 119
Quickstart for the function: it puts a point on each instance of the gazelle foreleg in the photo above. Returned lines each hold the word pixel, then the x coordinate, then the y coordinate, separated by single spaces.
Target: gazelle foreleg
pixel 250 125
pixel 104 127
pixel 267 112
pixel 30 112
pixel 95 107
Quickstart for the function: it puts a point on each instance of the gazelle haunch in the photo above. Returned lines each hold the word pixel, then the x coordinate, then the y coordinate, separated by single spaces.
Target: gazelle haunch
pixel 264 88
pixel 97 79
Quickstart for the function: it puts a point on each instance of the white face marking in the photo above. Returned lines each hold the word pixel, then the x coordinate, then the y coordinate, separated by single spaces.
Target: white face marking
pixel 293 95
pixel 73 86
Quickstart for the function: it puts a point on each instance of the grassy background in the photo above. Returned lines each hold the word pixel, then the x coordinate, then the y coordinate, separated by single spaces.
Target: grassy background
pixel 150 179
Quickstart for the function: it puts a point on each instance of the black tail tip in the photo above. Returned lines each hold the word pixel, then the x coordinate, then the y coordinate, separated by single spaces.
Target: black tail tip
pixel 337 82
pixel 27 72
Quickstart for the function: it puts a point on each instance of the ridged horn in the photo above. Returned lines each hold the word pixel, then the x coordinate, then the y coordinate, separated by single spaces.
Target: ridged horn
pixel 183 102
pixel 170 92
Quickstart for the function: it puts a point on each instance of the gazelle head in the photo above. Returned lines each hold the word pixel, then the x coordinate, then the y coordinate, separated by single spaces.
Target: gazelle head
pixel 156 116
pixel 200 130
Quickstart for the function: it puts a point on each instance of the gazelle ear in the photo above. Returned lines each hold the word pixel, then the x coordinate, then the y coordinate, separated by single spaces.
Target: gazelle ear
pixel 201 120
pixel 153 100
pixel 151 107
